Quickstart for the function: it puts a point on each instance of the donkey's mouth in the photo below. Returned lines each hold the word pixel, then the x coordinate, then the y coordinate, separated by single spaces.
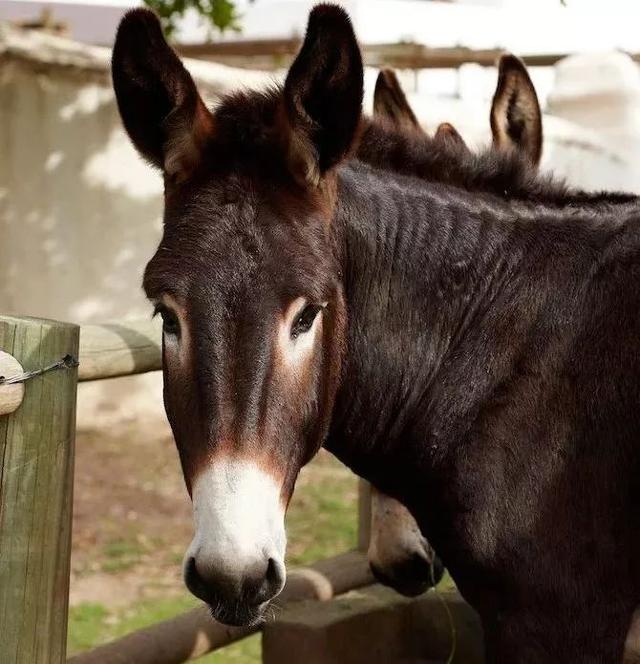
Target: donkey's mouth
pixel 238 615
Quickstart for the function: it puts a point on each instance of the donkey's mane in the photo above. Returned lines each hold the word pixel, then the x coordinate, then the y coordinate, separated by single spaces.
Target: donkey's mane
pixel 249 124
pixel 507 174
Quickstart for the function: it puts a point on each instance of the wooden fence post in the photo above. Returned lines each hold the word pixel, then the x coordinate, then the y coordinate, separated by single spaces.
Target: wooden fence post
pixel 36 494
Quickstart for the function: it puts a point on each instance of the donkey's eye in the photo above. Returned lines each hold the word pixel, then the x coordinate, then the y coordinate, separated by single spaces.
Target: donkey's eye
pixel 170 323
pixel 304 320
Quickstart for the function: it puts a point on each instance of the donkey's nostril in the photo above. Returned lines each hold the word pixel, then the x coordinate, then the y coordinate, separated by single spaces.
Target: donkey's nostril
pixel 213 581
pixel 273 573
pixel 267 585
pixel 194 581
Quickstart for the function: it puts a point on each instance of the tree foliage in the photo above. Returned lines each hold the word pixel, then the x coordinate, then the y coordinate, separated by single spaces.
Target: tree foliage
pixel 221 15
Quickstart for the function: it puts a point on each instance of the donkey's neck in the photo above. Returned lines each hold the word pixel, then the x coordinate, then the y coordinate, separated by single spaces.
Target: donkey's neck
pixel 443 288
pixel 419 260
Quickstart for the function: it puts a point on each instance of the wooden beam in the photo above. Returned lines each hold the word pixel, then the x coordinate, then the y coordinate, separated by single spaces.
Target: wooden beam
pixel 270 54
pixel 10 395
pixel 195 633
pixel 120 349
pixel 36 490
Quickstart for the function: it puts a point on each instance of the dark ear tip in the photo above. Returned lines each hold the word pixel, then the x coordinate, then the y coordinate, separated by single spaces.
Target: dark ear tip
pixel 510 63
pixel 388 76
pixel 328 10
pixel 137 20
pixel 382 80
pixel 329 16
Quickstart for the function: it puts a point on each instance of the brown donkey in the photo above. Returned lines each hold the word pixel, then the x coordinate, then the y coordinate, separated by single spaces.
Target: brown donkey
pixel 398 553
pixel 469 344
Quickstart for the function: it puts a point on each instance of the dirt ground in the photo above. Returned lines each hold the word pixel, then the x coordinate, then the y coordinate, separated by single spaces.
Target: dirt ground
pixel 132 515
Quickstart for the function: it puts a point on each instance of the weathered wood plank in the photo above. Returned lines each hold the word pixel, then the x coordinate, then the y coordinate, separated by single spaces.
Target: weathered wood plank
pixel 10 395
pixel 120 349
pixel 36 491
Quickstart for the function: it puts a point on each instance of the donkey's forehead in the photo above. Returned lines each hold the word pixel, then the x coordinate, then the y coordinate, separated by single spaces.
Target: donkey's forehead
pixel 232 246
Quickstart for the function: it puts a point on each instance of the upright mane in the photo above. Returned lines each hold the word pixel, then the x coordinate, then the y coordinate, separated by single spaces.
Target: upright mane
pixel 249 121
pixel 507 174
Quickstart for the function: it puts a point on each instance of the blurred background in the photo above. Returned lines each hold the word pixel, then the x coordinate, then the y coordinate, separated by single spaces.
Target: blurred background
pixel 81 214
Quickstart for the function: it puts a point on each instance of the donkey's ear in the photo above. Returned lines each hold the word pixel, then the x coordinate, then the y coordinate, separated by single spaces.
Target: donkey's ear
pixel 516 120
pixel 389 101
pixel 160 106
pixel 449 135
pixel 323 95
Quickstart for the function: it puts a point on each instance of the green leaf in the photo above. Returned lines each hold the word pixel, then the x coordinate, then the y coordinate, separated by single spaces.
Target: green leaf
pixel 221 15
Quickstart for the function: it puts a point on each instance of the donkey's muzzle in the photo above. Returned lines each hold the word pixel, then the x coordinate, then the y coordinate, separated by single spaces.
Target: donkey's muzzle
pixel 410 576
pixel 235 599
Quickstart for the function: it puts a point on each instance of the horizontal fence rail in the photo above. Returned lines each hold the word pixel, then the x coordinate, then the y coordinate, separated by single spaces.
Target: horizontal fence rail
pixel 10 394
pixel 120 349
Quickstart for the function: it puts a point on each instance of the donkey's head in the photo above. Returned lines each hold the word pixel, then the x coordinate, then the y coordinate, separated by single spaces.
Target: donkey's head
pixel 247 280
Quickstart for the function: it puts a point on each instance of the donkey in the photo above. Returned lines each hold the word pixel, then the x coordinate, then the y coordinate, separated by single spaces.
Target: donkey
pixel 471 354
pixel 515 117
pixel 398 553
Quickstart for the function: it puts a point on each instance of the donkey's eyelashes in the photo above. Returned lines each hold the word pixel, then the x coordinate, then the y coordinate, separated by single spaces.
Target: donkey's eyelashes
pixel 170 322
pixel 304 320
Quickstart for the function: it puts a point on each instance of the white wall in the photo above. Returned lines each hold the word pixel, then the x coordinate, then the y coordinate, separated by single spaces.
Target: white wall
pixel 80 210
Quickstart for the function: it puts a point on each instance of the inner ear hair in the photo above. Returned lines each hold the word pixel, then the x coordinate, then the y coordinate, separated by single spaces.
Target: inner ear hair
pixel 390 101
pixel 516 119
pixel 187 131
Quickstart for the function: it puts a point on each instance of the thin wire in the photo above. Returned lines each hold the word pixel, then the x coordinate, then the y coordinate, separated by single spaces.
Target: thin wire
pixel 452 625
pixel 67 362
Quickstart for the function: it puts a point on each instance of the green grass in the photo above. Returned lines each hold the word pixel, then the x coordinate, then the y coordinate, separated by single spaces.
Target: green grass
pixel 92 624
pixel 322 520
pixel 86 627
pixel 121 554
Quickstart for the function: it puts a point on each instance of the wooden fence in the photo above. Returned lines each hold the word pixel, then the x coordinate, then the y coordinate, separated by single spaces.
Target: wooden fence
pixel 37 433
